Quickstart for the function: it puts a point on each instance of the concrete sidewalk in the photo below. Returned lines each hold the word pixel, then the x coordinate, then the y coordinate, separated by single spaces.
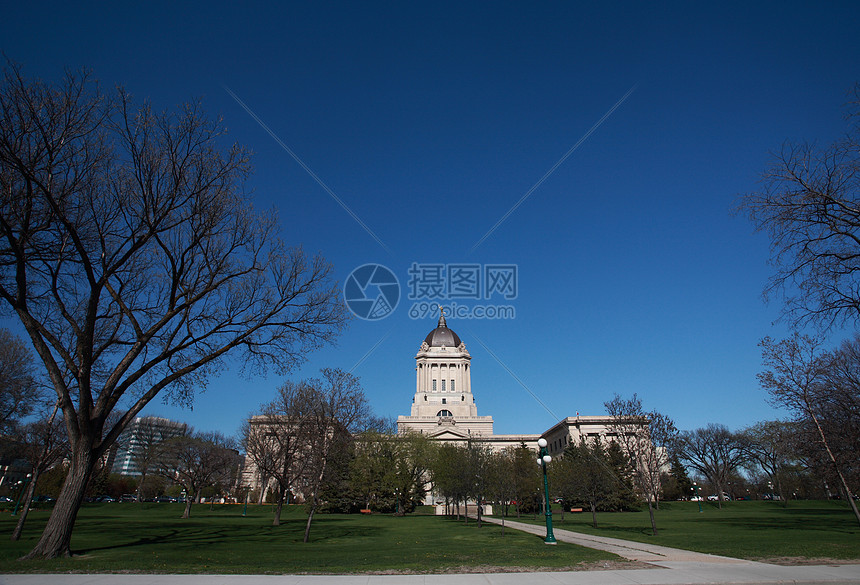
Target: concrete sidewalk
pixel 634 551
pixel 681 573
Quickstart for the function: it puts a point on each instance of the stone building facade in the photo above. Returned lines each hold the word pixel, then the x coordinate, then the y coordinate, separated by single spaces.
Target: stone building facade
pixel 445 409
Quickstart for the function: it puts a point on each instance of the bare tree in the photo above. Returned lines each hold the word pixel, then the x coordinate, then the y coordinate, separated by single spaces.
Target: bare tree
pixel 340 409
pixel 647 439
pixel 278 439
pixel 196 461
pixel 42 443
pixel 20 393
pixel 144 441
pixel 840 407
pixel 810 208
pixel 801 377
pixel 713 451
pixel 769 447
pixel 135 263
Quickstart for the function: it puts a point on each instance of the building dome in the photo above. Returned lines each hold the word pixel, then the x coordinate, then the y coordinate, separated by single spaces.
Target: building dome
pixel 442 336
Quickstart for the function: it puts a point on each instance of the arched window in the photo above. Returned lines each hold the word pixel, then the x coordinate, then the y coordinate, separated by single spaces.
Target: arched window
pixel 444 413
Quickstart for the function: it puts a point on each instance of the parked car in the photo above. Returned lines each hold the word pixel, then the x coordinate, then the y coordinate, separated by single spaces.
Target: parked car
pixel 128 498
pixel 104 499
pixel 715 497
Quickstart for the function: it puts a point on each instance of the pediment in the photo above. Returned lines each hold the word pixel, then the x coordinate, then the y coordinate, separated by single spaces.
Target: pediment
pixel 449 433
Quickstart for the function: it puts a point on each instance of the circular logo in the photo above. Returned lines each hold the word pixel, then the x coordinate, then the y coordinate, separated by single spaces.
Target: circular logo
pixel 371 292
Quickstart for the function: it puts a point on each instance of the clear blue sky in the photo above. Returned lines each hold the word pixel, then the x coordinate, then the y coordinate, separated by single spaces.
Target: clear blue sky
pixel 431 120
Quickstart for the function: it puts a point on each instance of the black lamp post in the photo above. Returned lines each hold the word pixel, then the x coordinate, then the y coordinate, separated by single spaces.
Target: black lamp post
pixel 698 497
pixel 542 461
pixel 21 492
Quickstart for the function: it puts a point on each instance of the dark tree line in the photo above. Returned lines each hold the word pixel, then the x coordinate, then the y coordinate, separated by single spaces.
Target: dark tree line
pixel 594 474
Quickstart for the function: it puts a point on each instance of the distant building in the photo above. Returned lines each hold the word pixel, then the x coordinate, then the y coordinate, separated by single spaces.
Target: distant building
pixel 142 434
pixel 445 409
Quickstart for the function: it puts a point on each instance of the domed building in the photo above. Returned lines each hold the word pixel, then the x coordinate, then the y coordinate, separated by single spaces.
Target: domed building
pixel 444 406
pixel 445 409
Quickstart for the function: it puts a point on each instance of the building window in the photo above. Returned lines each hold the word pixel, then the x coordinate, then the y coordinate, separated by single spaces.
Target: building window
pixel 444 413
pixel 452 386
pixel 443 385
pixel 434 385
pixel 444 401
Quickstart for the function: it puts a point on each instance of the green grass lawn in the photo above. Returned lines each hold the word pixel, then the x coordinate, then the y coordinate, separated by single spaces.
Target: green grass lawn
pixel 744 529
pixel 152 538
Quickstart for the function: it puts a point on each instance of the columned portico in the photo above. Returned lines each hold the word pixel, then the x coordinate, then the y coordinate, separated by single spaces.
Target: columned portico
pixel 445 409
pixel 443 405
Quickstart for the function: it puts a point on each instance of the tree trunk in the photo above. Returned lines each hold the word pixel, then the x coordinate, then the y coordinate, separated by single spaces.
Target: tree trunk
pixel 848 495
pixel 276 521
pixel 594 516
pixel 653 521
pixel 56 538
pixel 310 519
pixel 465 510
pixel 189 499
pixel 140 485
pixel 264 483
pixel 25 509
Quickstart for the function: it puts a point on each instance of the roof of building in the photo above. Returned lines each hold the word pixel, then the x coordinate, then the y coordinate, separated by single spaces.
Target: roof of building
pixel 442 336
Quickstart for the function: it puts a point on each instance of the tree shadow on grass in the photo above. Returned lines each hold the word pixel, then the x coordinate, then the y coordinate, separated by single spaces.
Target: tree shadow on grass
pixel 202 534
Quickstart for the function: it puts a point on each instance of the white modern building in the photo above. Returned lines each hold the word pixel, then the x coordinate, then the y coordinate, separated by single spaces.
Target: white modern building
pixel 143 433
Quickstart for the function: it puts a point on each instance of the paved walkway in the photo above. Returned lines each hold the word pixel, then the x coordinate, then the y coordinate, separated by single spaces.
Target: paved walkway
pixel 634 551
pixel 672 566
pixel 682 574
